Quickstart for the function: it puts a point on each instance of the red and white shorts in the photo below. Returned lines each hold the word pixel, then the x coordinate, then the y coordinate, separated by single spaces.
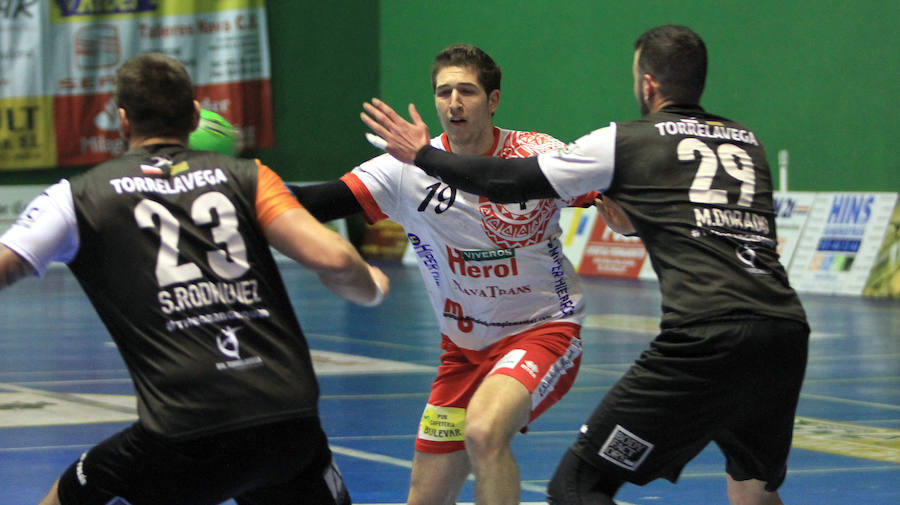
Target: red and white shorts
pixel 544 359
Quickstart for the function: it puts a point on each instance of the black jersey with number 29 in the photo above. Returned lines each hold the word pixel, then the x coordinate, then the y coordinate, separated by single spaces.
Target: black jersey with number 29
pixel 698 189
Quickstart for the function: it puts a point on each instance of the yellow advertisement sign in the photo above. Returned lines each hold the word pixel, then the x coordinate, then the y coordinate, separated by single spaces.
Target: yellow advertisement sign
pixel 27 137
pixel 93 9
pixel 884 280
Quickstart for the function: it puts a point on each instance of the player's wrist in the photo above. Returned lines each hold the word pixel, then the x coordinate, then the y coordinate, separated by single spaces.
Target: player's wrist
pixel 377 299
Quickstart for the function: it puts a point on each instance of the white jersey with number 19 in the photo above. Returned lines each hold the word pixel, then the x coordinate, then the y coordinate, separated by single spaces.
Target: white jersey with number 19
pixel 492 270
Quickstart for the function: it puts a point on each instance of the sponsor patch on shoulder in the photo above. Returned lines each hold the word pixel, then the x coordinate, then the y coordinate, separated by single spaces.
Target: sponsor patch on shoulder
pixel 625 449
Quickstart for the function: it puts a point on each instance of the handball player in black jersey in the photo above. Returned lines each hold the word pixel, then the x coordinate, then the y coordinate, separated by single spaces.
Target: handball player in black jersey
pixel 171 245
pixel 729 361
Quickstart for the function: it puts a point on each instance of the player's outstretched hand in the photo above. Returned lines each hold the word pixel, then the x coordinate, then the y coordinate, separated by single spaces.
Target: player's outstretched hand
pixel 402 138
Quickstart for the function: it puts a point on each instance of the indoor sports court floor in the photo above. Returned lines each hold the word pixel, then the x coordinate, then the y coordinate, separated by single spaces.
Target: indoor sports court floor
pixel 63 387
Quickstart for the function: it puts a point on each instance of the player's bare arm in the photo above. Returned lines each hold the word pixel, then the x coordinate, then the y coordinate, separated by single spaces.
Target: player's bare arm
pixel 12 267
pixel 613 215
pixel 298 235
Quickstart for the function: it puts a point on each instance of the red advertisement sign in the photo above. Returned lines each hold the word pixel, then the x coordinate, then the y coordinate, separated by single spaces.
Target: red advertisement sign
pixel 609 254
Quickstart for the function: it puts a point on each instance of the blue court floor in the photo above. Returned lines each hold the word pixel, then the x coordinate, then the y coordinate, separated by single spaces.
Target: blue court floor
pixel 63 388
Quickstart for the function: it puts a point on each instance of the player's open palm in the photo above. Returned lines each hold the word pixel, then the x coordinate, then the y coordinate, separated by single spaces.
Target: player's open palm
pixel 401 138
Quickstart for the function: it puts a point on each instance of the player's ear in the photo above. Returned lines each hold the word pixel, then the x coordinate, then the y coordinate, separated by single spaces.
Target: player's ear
pixel 650 87
pixel 124 124
pixel 196 120
pixel 493 101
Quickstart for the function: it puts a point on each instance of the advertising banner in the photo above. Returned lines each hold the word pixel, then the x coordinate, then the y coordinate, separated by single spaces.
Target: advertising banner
pixel 884 279
pixel 26 113
pixel 576 224
pixel 840 242
pixel 610 254
pixel 58 63
pixel 791 212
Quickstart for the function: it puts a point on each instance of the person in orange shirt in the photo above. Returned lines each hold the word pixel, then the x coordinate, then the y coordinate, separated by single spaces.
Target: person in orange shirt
pixel 171 245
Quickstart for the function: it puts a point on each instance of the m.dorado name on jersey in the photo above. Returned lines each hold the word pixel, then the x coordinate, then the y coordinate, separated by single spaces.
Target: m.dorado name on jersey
pixel 181 183
pixel 742 220
pixel 502 263
pixel 206 293
pixel 711 130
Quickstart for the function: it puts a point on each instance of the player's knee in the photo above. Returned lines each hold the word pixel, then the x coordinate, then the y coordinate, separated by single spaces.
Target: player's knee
pixel 575 482
pixel 482 441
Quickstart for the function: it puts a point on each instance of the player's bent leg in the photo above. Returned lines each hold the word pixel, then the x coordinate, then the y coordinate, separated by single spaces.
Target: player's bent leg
pixel 751 492
pixel 437 478
pixel 575 482
pixel 52 497
pixel 500 407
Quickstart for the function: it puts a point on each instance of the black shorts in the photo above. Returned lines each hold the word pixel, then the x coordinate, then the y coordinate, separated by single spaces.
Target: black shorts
pixel 735 383
pixel 271 464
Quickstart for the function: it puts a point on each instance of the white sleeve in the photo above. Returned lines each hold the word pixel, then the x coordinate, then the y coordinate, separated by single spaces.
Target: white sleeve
pixel 582 166
pixel 381 177
pixel 46 230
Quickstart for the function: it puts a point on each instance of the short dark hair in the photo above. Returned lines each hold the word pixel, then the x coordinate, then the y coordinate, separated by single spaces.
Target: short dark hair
pixel 157 94
pixel 676 57
pixel 467 55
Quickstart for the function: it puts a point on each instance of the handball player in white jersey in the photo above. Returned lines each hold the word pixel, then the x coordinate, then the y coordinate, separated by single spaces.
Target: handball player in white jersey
pixel 728 364
pixel 509 303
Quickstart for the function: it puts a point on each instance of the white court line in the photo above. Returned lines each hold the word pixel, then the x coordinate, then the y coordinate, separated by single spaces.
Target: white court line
pixel 848 401
pixel 390 460
pixel 806 471
pixel 70 397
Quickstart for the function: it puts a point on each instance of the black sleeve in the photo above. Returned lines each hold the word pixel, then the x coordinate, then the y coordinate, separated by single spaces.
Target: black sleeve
pixel 501 180
pixel 328 200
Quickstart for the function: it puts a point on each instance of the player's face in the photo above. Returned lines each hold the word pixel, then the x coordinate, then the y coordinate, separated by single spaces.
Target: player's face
pixel 639 85
pixel 465 109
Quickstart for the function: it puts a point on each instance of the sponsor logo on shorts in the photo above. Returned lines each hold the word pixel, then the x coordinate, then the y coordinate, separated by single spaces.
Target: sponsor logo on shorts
pixel 443 424
pixel 625 449
pixel 561 367
pixel 509 360
pixel 530 367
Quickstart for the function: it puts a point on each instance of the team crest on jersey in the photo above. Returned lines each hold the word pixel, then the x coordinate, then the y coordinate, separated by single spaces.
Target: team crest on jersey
pixel 526 144
pixel 516 224
pixel 519 224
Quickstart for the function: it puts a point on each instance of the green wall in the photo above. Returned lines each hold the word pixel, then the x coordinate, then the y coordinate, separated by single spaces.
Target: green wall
pixel 324 65
pixel 817 78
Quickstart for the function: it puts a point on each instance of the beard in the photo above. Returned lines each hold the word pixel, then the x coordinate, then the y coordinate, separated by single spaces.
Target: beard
pixel 645 109
pixel 642 102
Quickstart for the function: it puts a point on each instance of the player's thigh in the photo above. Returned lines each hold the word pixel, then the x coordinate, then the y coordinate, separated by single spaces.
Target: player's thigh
pixel 545 360
pixel 758 438
pixel 501 405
